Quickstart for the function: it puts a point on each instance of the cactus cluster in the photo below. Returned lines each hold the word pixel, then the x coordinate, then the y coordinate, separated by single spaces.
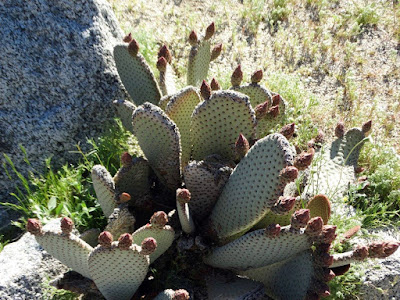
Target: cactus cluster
pixel 248 214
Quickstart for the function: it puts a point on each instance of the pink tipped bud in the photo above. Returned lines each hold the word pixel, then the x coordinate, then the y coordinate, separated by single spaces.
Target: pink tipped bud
pixel 126 159
pixel 159 219
pixel 205 90
pixel 360 253
pixel 390 247
pixel 183 195
pixel 376 249
pixel 164 52
pixel 284 205
pixel 328 234
pixel 289 174
pixel 303 160
pixel 128 38
pixel 125 241
pixel 193 39
pixel 314 226
pixel 133 48
pixel 162 64
pixel 215 85
pixel 339 130
pixel 300 218
pixel 34 226
pixel 105 239
pixel 325 274
pixel 242 146
pixel 273 111
pixel 321 288
pixel 66 225
pixel 322 248
pixel 273 230
pixel 124 197
pixel 237 76
pixel 257 76
pixel 276 99
pixel 262 109
pixel 149 245
pixel 366 126
pixel 288 130
pixel 216 51
pixel 210 31
pixel 181 295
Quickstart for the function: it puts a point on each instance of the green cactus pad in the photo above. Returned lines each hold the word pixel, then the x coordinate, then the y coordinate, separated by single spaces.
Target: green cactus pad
pixel 320 206
pixel 199 63
pixel 217 123
pixel 253 187
pixel 256 93
pixel 69 249
pixel 249 251
pixel 125 110
pixel 118 273
pixel 159 139
pixel 180 109
pixel 167 81
pixel 333 165
pixel 104 187
pixel 121 221
pixel 134 180
pixel 286 280
pixel 136 75
pixel 164 237
pixel 205 181
pixel 233 287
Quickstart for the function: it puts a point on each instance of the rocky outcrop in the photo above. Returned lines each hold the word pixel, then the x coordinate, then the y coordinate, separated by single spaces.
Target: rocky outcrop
pixel 57 80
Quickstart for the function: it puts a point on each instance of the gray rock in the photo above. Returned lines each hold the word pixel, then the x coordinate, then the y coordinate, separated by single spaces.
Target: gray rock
pixel 57 80
pixel 382 276
pixel 24 266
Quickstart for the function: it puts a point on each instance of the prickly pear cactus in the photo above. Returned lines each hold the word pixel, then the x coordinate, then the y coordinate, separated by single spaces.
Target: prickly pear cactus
pixel 230 194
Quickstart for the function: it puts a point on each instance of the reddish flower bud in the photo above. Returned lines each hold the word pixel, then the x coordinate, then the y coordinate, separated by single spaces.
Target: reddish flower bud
pixel 289 174
pixel 159 219
pixel 328 234
pixel 216 51
pixel 193 39
pixel 321 288
pixel 237 76
pixel 366 126
pixel 314 226
pixel 303 160
pixel 284 205
pixel 300 218
pixel 162 64
pixel 34 226
pixel 325 274
pixel 339 130
pixel 105 239
pixel 210 31
pixel 261 109
pixel 320 138
pixel 215 85
pixel 183 195
pixel 124 197
pixel 242 146
pixel 149 245
pixel 273 111
pixel 126 159
pixel 257 76
pixel 361 252
pixel 164 52
pixel 205 90
pixel 125 241
pixel 133 48
pixel 272 230
pixel 376 250
pixel 288 130
pixel 323 259
pixel 276 99
pixel 390 247
pixel 128 38
pixel 66 225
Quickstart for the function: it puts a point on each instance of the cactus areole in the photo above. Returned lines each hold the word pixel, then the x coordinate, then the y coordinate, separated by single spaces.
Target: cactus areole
pixel 213 207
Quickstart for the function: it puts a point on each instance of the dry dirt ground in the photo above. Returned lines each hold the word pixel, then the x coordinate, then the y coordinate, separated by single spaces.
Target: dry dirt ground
pixel 345 53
